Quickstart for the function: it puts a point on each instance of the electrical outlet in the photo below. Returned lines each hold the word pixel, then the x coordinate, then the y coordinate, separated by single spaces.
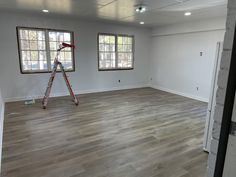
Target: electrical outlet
pixel 201 53
pixel 151 78
pixel 119 80
pixel 197 88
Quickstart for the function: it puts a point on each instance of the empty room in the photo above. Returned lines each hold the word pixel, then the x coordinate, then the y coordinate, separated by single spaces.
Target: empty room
pixel 116 88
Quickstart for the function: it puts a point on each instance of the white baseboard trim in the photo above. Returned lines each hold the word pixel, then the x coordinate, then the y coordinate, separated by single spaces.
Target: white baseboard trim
pixel 77 92
pixel 105 90
pixel 180 93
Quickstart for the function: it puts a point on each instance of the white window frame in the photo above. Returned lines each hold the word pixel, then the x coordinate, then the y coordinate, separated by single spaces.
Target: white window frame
pixel 116 52
pixel 47 49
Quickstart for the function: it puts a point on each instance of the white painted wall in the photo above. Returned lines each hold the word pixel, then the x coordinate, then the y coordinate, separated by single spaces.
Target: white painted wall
pixel 176 64
pixel 86 78
pixel 162 57
pixel 191 27
pixel 2 107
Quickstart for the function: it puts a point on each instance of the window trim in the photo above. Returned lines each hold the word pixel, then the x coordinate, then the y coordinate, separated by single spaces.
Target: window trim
pixel 46 30
pixel 116 36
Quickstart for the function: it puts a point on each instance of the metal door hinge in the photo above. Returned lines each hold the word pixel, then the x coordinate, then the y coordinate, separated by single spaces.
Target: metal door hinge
pixel 233 129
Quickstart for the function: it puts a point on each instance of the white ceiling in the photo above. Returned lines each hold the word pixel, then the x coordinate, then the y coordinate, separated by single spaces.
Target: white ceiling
pixel 160 12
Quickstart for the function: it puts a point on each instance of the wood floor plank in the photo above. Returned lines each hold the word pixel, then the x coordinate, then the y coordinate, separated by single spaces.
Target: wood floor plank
pixel 129 133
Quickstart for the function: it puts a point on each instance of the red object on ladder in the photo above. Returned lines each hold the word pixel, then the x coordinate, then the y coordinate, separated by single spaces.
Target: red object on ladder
pixel 53 74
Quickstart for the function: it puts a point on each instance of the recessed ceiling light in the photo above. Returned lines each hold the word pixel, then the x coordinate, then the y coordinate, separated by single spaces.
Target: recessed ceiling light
pixel 188 13
pixel 45 10
pixel 140 8
pixel 141 23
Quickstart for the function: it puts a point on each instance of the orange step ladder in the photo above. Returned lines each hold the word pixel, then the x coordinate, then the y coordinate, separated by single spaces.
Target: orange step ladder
pixel 53 74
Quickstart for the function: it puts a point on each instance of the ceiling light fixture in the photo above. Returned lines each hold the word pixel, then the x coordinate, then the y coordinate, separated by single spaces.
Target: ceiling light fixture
pixel 45 10
pixel 141 23
pixel 188 13
pixel 140 8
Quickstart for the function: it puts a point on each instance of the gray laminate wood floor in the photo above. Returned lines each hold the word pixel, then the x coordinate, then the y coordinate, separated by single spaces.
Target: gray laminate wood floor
pixel 129 133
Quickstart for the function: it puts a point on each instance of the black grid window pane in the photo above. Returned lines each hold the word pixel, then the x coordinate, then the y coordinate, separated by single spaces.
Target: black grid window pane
pixel 32 50
pixel 107 52
pixel 38 48
pixel 125 52
pixel 115 51
pixel 65 56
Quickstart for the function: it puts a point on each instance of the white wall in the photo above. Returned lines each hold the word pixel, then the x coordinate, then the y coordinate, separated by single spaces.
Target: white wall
pixel 191 27
pixel 162 57
pixel 86 78
pixel 176 64
pixel 2 106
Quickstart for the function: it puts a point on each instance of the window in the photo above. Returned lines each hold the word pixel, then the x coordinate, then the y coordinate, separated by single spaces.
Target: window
pixel 37 49
pixel 115 52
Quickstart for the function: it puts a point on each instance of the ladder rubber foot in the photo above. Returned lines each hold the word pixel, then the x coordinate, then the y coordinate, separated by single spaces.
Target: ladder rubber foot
pixel 44 107
pixel 76 104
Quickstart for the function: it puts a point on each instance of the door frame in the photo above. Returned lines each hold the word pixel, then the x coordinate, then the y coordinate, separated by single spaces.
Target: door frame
pixel 227 114
pixel 211 103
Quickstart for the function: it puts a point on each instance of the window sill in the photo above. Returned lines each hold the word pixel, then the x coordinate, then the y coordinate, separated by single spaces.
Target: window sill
pixel 116 69
pixel 42 72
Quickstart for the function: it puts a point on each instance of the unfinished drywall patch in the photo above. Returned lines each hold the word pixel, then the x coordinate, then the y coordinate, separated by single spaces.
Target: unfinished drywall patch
pixel 2 107
pixel 222 84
